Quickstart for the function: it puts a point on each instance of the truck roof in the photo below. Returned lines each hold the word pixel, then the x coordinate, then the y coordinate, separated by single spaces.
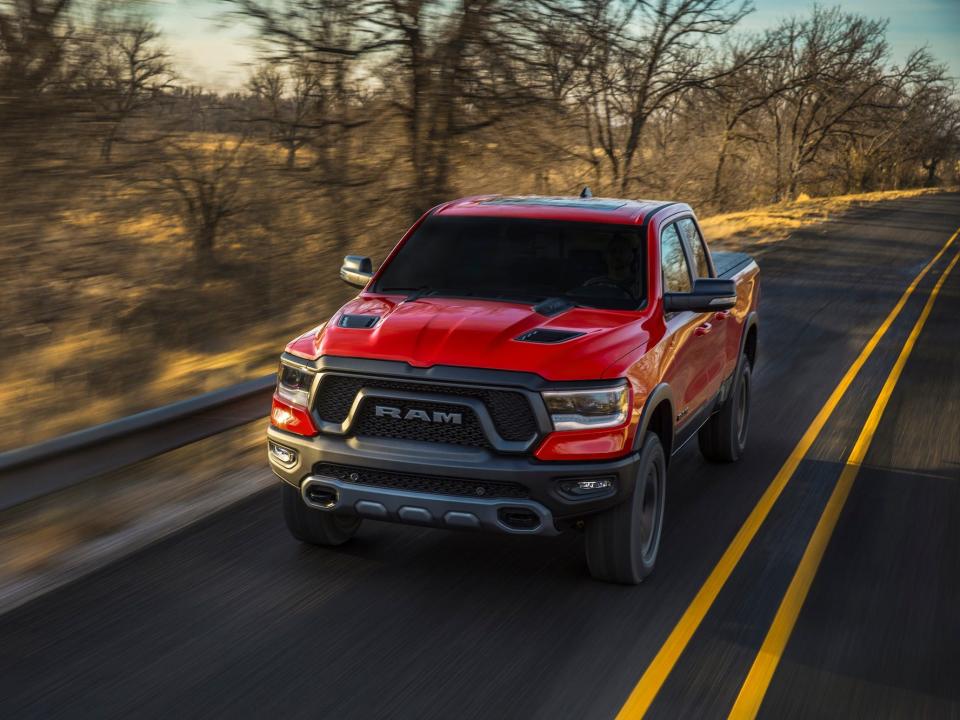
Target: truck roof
pixel 544 207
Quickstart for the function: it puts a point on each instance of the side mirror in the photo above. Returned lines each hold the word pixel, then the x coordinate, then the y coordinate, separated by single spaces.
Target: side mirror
pixel 356 270
pixel 708 295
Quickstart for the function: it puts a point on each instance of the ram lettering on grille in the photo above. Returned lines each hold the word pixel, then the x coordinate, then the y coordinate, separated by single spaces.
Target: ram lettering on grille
pixel 437 416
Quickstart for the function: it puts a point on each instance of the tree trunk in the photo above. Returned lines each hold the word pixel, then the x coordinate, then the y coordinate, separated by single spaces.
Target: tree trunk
pixel 591 147
pixel 339 192
pixel 440 182
pixel 419 101
pixel 794 184
pixel 794 168
pixel 931 169
pixel 630 149
pixel 778 181
pixel 203 250
pixel 340 223
pixel 718 171
pixel 106 149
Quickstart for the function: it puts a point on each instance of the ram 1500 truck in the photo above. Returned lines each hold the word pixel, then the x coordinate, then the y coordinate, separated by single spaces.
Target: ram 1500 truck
pixel 521 365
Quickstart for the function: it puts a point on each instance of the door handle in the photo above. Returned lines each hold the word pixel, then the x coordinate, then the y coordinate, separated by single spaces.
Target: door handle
pixel 702 329
pixel 721 316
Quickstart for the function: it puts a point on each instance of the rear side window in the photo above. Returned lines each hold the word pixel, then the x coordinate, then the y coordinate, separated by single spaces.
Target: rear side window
pixel 676 272
pixel 695 243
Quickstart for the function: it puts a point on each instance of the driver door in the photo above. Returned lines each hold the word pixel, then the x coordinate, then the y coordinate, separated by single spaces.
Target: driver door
pixel 692 368
pixel 714 325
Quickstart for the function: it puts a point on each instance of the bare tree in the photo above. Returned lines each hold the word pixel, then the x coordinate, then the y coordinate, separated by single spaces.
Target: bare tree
pixel 39 55
pixel 209 181
pixel 658 51
pixel 130 73
pixel 319 45
pixel 762 74
pixel 452 72
pixel 872 148
pixel 936 131
pixel 33 40
pixel 286 103
pixel 840 59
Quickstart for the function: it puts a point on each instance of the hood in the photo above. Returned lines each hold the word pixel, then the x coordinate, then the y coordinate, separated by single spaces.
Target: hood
pixel 475 333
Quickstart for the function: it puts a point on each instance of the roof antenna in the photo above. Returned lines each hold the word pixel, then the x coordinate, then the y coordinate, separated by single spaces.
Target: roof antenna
pixel 585 193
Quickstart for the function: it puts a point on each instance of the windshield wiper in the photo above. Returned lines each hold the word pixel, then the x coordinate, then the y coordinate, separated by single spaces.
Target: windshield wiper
pixel 426 291
pixel 412 293
pixel 542 304
pixel 417 294
pixel 553 306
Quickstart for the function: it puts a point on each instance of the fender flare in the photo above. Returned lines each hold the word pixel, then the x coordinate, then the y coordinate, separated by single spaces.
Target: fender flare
pixel 751 321
pixel 660 393
pixel 663 391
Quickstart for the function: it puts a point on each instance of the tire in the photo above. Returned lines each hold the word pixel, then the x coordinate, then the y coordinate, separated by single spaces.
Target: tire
pixel 622 543
pixel 315 527
pixel 724 436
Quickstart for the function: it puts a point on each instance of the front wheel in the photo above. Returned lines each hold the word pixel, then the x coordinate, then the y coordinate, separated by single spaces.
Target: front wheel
pixel 724 436
pixel 312 526
pixel 622 542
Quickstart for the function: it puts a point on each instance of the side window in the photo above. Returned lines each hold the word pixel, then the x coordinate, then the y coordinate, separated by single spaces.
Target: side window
pixel 695 243
pixel 676 272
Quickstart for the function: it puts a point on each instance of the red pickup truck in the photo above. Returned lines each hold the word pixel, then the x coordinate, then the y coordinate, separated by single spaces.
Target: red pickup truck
pixel 523 365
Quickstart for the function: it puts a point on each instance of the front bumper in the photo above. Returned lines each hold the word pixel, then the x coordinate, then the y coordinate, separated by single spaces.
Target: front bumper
pixel 516 516
pixel 549 505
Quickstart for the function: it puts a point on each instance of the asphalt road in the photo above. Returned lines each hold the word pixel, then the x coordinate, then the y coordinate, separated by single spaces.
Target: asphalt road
pixel 232 617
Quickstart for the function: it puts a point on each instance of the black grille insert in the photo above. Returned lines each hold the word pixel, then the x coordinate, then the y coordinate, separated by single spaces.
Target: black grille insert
pixel 510 410
pixel 422 483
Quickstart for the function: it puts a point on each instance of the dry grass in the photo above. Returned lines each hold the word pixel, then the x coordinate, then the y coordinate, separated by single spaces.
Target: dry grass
pixel 773 223
pixel 180 374
pixel 102 317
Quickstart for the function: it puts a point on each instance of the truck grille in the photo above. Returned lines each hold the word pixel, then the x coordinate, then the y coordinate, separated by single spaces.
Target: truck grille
pixel 510 411
pixel 421 483
pixel 468 432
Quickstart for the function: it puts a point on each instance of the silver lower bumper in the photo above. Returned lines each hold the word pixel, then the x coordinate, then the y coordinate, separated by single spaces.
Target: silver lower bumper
pixel 506 515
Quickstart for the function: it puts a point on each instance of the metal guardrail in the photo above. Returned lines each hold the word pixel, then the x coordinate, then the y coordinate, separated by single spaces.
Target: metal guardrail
pixel 52 465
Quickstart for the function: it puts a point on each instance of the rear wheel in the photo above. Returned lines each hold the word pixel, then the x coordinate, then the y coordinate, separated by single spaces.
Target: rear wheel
pixel 724 436
pixel 622 543
pixel 315 526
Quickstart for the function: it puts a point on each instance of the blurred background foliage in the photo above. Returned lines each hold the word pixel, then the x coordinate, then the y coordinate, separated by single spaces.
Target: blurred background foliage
pixel 161 239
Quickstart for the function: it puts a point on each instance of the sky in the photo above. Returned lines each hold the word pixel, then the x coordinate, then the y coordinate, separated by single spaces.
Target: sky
pixel 216 52
pixel 209 48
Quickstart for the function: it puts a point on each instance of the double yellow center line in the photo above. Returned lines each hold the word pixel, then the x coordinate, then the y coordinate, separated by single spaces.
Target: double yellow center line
pixel 666 658
pixel 758 679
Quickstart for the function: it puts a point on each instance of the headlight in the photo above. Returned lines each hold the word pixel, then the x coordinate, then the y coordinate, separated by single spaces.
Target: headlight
pixel 293 384
pixel 588 409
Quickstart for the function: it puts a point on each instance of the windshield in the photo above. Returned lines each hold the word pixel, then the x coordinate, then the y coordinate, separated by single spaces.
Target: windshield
pixel 593 265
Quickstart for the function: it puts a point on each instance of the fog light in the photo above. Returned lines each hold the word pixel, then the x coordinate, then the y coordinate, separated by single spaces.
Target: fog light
pixel 283 455
pixel 581 487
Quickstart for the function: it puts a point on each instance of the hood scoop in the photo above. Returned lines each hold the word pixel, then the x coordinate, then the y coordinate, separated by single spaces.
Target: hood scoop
pixel 548 336
pixel 358 322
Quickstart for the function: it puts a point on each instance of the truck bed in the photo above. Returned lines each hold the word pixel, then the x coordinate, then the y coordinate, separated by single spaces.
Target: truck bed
pixel 729 264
